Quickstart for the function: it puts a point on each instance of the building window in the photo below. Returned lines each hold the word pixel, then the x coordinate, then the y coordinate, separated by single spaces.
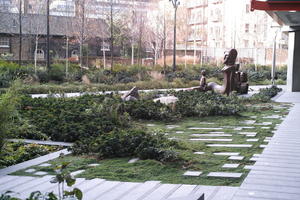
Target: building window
pixel 4 42
pixel 40 55
pixel 105 47
pixel 246 43
pixel 246 28
pixel 247 8
pixel 74 53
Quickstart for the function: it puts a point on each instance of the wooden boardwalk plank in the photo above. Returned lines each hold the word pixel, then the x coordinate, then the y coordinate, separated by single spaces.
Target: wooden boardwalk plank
pixel 164 191
pixel 119 191
pixel 276 174
pixel 141 190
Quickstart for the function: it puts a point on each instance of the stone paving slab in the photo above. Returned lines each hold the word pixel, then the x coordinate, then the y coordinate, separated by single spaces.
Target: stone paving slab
pixel 211 135
pixel 30 170
pixel 226 153
pixel 224 174
pixel 211 140
pixel 192 173
pixel 199 152
pixel 200 128
pixel 77 172
pixel 236 158
pixel 231 166
pixel 40 173
pixel 133 160
pixel 230 145
pixel 45 165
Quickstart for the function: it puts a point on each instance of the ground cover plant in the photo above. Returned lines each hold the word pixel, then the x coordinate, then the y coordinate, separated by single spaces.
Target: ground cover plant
pixel 162 143
pixel 181 132
pixel 71 119
pixel 16 152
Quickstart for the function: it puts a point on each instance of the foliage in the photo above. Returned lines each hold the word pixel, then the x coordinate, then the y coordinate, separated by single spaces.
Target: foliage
pixel 124 143
pixel 149 110
pixel 14 153
pixel 70 119
pixel 8 104
pixel 199 104
pixel 64 177
pixel 265 94
pixel 122 77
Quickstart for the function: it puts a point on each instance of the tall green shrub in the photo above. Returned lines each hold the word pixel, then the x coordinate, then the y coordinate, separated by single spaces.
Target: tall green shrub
pixel 8 104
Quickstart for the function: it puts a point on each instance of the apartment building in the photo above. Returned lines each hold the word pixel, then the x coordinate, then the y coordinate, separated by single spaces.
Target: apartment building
pixel 217 25
pixel 65 22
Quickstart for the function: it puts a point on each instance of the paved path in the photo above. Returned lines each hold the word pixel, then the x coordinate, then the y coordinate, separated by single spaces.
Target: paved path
pixel 253 89
pixel 96 189
pixel 276 174
pixel 42 142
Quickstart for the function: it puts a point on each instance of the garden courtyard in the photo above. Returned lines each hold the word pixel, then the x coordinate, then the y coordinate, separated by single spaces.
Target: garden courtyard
pixel 209 144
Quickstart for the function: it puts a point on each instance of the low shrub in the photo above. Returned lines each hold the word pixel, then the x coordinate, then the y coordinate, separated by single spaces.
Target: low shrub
pixel 264 95
pixel 149 110
pixel 14 153
pixel 195 103
pixel 126 143
pixel 70 119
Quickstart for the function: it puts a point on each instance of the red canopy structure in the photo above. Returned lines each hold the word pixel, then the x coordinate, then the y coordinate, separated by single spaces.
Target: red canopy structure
pixel 276 5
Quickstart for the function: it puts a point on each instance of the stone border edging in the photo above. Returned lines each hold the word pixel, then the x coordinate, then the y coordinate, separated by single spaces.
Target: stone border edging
pixel 32 162
pixel 42 142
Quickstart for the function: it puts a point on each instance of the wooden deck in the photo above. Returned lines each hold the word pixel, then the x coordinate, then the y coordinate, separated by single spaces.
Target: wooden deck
pixel 276 174
pixel 100 189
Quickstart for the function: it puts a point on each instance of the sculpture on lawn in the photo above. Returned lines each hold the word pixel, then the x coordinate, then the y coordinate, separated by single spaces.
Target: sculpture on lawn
pixel 234 80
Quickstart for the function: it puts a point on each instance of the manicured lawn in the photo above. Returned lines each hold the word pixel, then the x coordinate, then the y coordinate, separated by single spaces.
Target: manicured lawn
pixel 145 170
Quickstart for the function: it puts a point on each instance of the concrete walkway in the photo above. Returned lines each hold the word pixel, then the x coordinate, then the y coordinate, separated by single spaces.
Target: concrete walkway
pixel 42 142
pixel 252 89
pixel 276 174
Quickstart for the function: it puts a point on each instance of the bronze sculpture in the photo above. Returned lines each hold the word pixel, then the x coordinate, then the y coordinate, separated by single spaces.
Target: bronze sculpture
pixel 233 79
pixel 132 94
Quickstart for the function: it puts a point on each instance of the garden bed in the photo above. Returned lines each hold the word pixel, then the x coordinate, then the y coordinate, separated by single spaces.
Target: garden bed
pixel 17 152
pixel 262 119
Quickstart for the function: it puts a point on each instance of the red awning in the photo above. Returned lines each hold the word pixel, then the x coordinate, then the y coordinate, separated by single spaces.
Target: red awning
pixel 275 5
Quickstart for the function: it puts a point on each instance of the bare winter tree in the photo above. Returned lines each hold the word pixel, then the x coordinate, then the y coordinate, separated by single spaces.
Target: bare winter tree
pixel 36 28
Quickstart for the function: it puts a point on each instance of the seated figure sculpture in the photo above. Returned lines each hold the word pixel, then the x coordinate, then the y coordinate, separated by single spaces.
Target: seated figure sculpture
pixel 233 79
pixel 203 84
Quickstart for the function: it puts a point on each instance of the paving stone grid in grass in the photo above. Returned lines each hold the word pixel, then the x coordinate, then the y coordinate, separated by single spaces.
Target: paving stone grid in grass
pixel 218 146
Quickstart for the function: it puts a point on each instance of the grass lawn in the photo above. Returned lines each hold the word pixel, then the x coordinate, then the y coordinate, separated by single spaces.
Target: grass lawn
pixel 145 170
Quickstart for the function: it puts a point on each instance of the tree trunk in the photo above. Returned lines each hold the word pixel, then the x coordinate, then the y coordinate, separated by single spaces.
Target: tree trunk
pixel 82 33
pixel 67 57
pixel 185 54
pixel 132 53
pixel 20 33
pixel 48 35
pixel 35 53
pixel 195 51
pixel 104 58
pixel 174 40
pixel 111 36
